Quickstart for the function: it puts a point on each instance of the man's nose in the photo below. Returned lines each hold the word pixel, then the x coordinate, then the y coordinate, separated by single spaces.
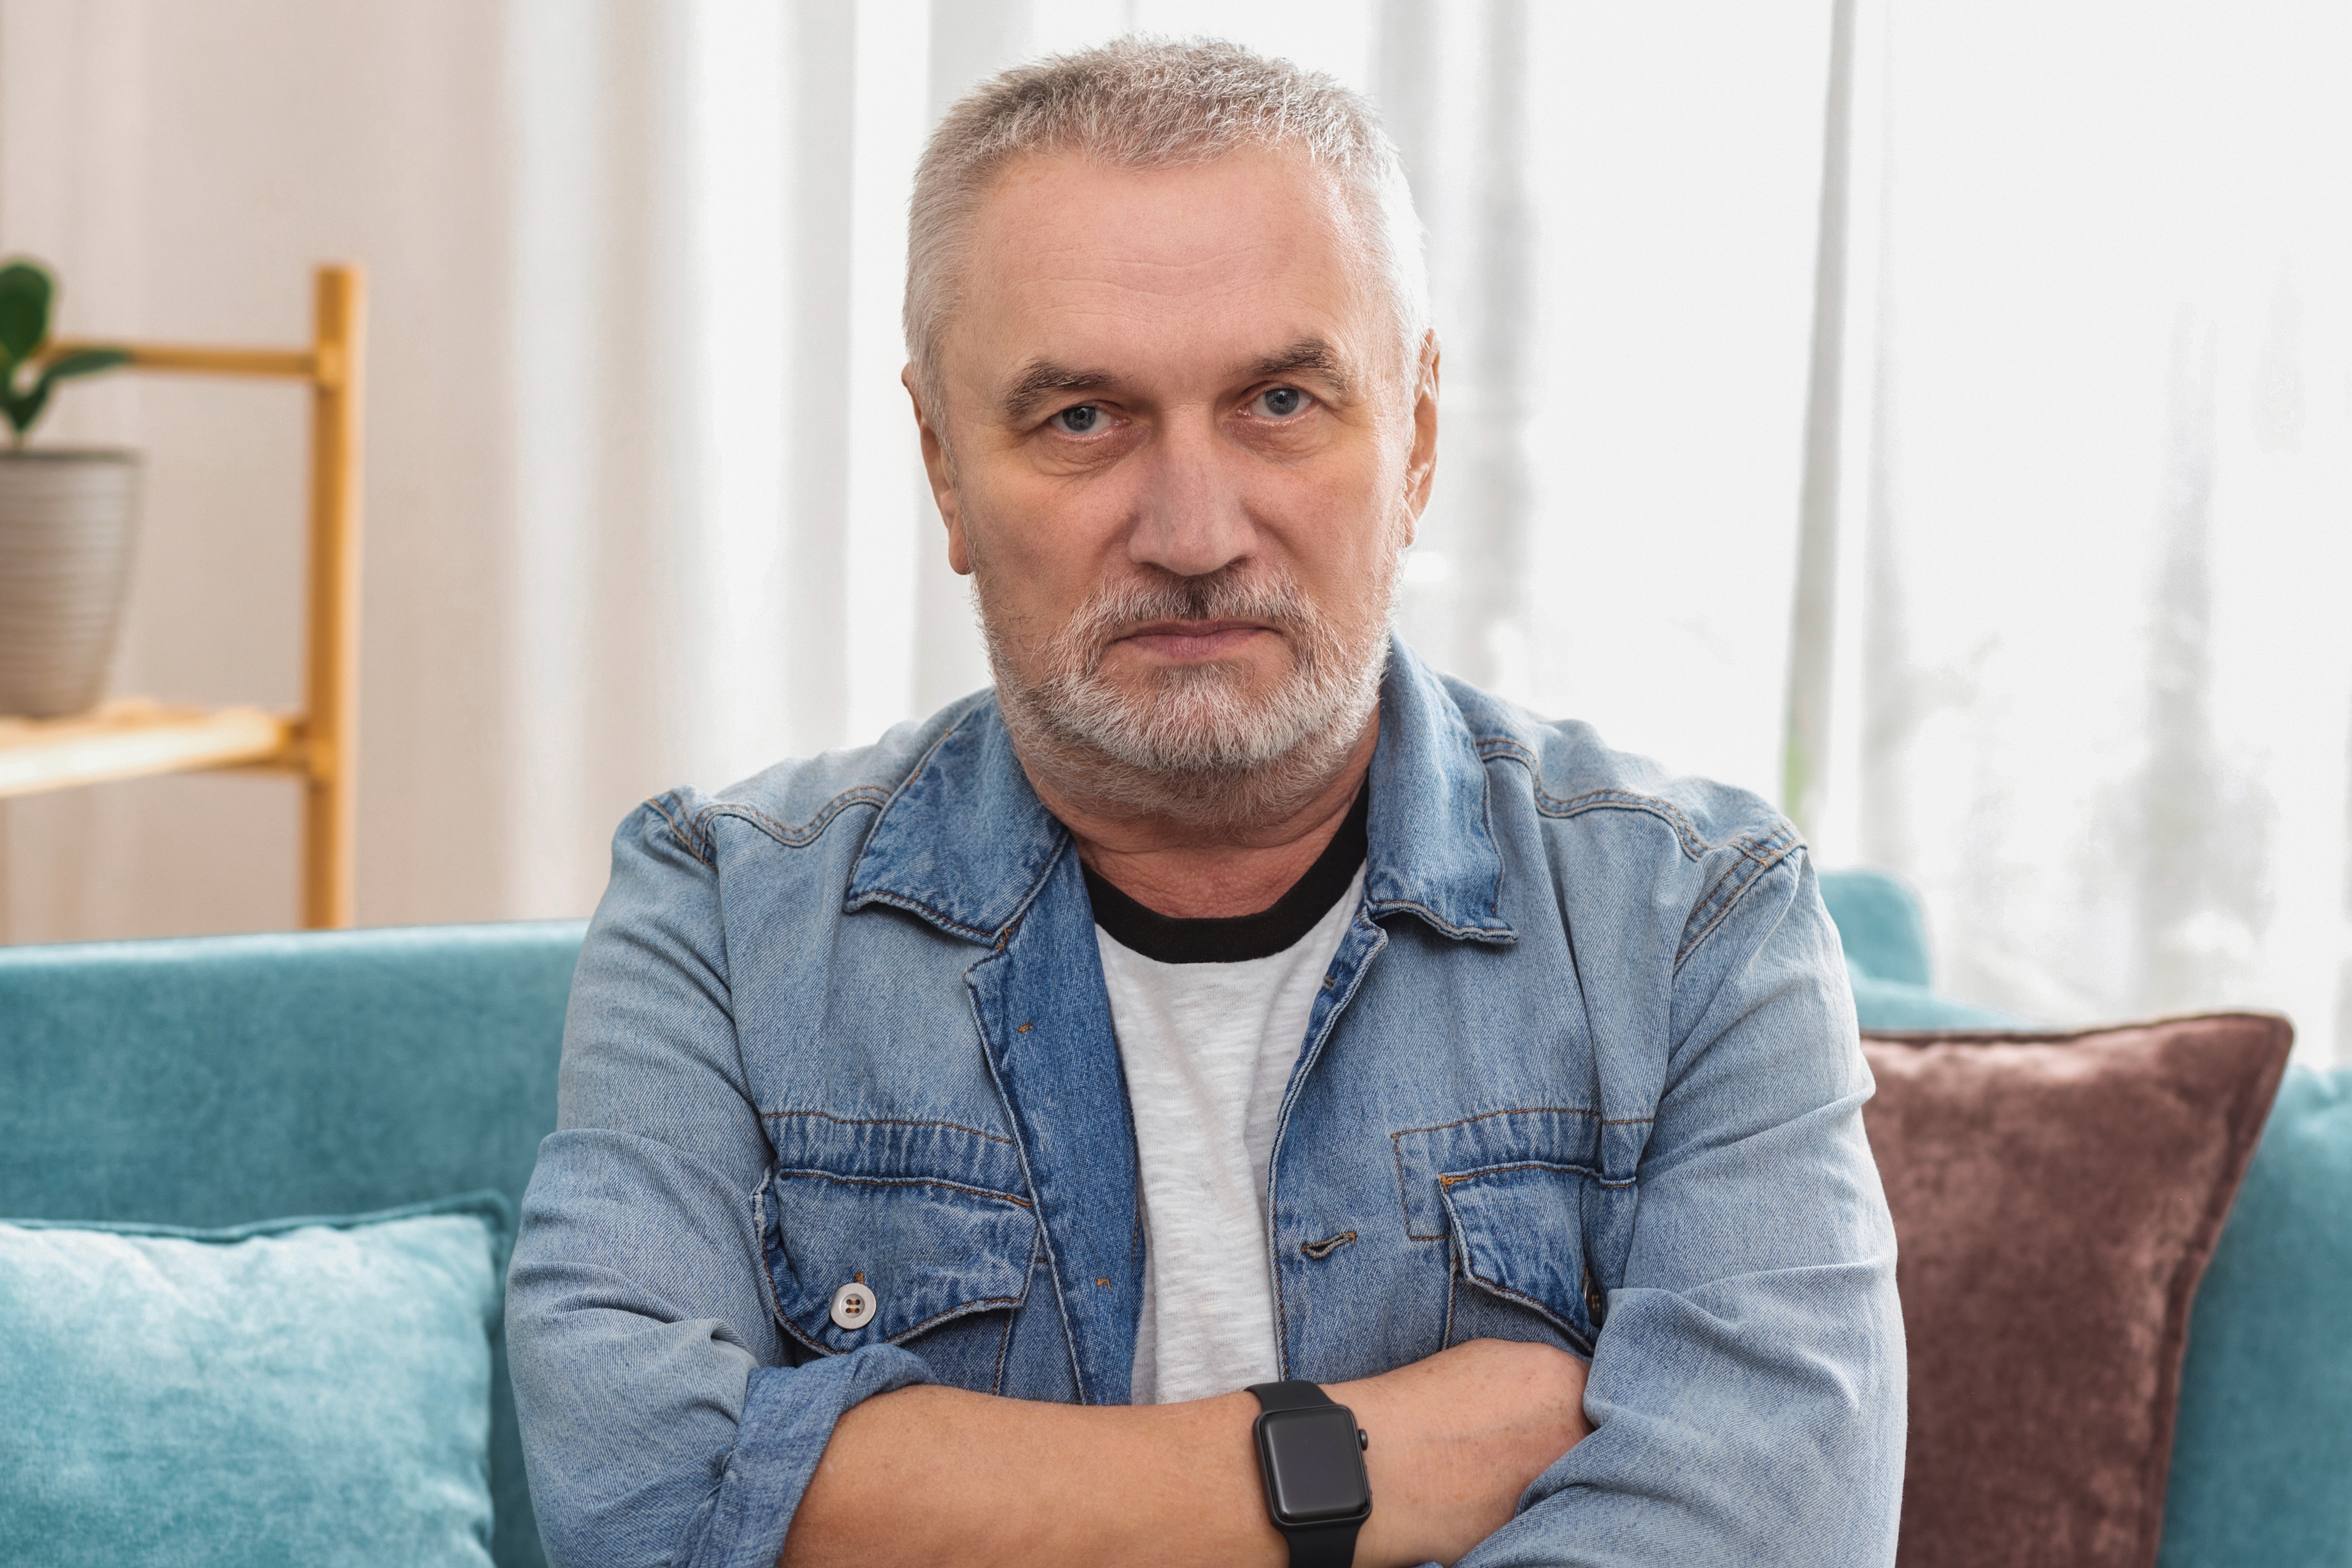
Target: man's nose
pixel 1190 518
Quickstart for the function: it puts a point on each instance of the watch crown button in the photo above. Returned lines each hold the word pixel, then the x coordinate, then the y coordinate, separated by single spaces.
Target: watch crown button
pixel 852 1306
pixel 1363 1440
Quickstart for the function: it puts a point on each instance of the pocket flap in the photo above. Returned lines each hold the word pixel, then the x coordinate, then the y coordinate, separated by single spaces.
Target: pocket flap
pixel 1519 1232
pixel 1563 1135
pixel 927 1244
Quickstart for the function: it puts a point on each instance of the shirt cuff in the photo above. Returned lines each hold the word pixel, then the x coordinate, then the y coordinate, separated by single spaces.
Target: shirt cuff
pixel 788 1418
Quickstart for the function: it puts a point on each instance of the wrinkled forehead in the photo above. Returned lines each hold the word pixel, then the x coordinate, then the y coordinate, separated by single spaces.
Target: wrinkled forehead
pixel 1224 261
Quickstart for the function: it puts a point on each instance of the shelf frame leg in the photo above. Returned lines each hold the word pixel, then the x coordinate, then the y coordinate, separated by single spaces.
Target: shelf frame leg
pixel 330 727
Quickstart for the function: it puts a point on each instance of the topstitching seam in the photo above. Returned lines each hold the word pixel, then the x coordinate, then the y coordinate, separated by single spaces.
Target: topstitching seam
pixel 886 1122
pixel 1756 858
pixel 808 832
pixel 690 841
pixel 904 1181
pixel 1396 1148
pixel 1551 805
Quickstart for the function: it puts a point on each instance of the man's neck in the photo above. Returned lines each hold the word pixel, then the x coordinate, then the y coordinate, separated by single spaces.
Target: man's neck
pixel 1188 872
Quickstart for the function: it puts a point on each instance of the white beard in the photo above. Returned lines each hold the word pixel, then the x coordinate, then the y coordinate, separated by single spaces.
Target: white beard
pixel 1195 746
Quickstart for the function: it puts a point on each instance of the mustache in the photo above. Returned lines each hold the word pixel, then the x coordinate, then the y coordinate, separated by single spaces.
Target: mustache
pixel 1228 594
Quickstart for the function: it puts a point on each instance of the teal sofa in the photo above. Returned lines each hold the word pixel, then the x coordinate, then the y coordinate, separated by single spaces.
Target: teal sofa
pixel 216 1081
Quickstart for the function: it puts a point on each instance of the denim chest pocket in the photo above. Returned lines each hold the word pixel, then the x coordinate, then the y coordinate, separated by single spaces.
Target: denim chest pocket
pixel 1507 1194
pixel 1519 1241
pixel 929 1222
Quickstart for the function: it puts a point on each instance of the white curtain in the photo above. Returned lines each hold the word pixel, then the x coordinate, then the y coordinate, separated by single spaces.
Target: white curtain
pixel 2094 653
pixel 643 504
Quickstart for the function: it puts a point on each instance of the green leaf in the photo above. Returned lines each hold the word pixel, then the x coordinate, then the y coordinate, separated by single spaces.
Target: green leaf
pixel 83 362
pixel 23 408
pixel 26 291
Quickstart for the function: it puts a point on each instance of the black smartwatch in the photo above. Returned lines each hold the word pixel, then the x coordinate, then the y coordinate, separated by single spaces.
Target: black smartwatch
pixel 1311 1455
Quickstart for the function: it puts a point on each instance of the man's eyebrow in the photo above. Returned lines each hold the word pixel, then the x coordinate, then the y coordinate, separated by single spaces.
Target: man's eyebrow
pixel 1308 354
pixel 1041 381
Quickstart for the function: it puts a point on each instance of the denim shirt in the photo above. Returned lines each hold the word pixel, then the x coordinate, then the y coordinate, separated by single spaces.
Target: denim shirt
pixel 1584 1071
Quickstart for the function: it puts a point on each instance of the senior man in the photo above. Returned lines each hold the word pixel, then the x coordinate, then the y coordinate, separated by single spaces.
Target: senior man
pixel 1229 1094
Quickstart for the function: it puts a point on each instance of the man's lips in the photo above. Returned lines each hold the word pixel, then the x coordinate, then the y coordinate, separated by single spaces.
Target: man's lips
pixel 1189 641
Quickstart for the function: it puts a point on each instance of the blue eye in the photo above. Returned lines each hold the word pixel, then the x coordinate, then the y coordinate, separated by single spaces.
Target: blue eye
pixel 1282 402
pixel 1079 420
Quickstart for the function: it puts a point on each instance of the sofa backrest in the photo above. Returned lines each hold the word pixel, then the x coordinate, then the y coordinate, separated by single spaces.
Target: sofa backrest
pixel 1886 940
pixel 1879 922
pixel 214 1081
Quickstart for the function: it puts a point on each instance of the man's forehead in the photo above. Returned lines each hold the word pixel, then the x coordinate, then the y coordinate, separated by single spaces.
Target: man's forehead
pixel 1083 275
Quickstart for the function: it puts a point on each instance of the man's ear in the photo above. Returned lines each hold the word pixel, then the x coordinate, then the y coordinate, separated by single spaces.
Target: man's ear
pixel 1421 462
pixel 941 474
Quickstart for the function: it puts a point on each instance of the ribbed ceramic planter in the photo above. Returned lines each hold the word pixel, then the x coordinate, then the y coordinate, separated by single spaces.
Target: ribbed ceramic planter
pixel 66 523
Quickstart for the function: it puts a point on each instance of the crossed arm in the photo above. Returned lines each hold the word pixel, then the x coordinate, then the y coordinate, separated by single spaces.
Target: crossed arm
pixel 1746 1397
pixel 930 1475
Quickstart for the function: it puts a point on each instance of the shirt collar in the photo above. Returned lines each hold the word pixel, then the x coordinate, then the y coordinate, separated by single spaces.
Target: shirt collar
pixel 965 844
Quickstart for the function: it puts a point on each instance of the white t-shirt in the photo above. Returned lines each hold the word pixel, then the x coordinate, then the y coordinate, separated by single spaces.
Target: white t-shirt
pixel 1208 1049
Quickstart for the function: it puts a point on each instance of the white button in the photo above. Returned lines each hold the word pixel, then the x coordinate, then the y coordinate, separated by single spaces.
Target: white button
pixel 852 1306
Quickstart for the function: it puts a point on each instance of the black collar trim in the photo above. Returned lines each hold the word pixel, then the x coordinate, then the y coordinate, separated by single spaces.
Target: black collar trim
pixel 1239 939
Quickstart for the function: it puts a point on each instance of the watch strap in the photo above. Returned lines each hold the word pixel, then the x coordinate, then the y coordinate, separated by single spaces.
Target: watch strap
pixel 1311 1546
pixel 1332 1546
pixel 1293 1395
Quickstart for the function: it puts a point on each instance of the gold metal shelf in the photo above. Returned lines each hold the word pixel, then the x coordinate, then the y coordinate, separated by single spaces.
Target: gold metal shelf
pixel 136 737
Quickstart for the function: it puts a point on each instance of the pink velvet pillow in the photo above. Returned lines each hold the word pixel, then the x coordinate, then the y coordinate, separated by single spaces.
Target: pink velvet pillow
pixel 2055 1199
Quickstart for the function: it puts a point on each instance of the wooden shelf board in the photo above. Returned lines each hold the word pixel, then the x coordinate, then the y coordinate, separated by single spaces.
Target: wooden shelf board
pixel 296 365
pixel 133 738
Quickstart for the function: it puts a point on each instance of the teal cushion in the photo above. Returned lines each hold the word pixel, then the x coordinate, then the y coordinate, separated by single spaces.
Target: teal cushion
pixel 1886 941
pixel 1879 924
pixel 305 1391
pixel 1883 1005
pixel 212 1081
pixel 2262 1462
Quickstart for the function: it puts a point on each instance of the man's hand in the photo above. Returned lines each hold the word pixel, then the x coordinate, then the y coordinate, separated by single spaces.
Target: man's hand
pixel 1456 1440
pixel 933 1475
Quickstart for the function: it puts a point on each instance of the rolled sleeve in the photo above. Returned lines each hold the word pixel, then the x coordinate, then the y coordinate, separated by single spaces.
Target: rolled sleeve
pixel 1748 1389
pixel 659 1424
pixel 788 1417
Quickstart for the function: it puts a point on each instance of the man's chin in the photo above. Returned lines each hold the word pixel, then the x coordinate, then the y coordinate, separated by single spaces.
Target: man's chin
pixel 1219 742
pixel 1204 723
pixel 1252 671
pixel 1231 684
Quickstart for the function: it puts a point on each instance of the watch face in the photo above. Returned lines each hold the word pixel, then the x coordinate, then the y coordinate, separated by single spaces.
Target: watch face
pixel 1314 1471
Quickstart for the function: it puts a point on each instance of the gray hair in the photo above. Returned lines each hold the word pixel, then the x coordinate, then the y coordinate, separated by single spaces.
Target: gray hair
pixel 1142 102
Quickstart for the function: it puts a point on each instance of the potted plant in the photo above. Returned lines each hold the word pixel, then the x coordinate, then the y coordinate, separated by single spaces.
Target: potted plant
pixel 67 520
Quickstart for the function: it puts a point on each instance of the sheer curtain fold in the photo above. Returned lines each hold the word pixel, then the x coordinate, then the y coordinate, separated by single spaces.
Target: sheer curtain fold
pixel 2106 674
